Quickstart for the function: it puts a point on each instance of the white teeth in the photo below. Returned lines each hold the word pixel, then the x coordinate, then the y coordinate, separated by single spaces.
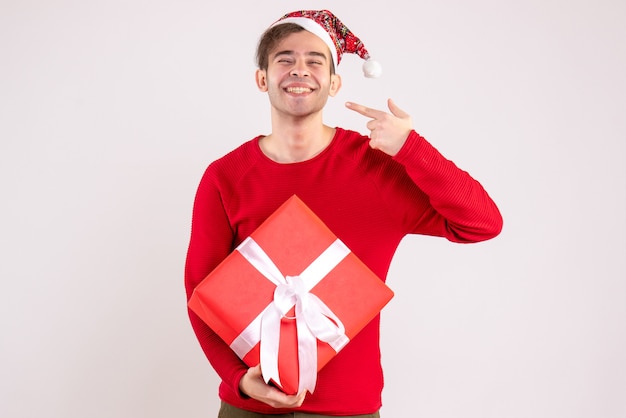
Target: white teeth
pixel 298 90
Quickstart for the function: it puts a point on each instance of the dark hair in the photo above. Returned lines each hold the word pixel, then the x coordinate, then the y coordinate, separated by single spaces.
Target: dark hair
pixel 271 37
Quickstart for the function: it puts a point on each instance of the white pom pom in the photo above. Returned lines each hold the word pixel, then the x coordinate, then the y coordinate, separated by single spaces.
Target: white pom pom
pixel 372 69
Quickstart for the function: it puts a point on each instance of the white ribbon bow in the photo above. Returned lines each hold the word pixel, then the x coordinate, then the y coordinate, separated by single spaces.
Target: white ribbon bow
pixel 314 319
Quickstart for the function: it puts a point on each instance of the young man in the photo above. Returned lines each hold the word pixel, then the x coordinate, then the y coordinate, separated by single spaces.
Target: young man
pixel 370 191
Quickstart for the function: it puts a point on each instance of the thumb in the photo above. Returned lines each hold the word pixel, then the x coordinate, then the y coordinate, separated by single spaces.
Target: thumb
pixel 396 111
pixel 256 371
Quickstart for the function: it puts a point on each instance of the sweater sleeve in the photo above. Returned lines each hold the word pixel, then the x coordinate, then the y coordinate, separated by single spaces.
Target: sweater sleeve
pixel 460 209
pixel 211 241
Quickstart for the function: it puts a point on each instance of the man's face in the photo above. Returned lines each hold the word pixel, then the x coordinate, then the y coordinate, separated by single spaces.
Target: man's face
pixel 298 79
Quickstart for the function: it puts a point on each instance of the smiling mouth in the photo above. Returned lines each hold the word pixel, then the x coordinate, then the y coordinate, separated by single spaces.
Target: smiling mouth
pixel 298 90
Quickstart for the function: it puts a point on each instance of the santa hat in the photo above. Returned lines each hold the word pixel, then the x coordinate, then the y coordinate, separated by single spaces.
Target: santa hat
pixel 335 34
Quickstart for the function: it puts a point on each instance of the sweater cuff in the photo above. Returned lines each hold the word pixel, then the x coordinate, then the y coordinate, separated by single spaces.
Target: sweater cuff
pixel 413 145
pixel 237 378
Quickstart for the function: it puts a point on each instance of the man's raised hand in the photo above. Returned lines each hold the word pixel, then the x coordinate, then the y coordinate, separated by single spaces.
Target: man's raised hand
pixel 388 131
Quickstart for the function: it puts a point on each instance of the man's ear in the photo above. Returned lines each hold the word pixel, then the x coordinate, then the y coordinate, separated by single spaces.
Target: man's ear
pixel 335 85
pixel 261 80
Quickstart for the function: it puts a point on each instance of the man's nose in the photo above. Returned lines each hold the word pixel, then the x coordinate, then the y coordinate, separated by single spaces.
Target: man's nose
pixel 300 69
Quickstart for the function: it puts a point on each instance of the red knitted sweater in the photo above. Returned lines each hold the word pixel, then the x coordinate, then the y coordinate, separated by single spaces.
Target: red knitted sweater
pixel 370 201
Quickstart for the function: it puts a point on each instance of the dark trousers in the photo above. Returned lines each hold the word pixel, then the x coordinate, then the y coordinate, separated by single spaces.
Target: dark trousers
pixel 229 411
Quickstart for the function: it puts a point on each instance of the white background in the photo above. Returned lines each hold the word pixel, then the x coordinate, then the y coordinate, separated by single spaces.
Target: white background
pixel 111 110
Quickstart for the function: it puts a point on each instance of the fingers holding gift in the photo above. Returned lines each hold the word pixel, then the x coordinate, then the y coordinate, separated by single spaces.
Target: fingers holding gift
pixel 253 385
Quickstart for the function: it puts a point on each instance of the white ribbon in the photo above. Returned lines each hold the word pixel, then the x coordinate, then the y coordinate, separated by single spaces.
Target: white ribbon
pixel 314 319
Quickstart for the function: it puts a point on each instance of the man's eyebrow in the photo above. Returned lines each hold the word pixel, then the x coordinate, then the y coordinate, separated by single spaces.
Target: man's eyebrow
pixel 285 52
pixel 317 54
pixel 291 52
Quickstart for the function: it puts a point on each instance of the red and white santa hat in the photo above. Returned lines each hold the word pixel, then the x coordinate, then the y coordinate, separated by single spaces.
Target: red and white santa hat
pixel 335 34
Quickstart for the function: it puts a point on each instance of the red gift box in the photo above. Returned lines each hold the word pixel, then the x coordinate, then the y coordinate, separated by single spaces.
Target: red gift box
pixel 308 290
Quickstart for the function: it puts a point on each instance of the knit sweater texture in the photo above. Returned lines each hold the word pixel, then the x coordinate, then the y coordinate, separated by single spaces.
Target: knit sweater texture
pixel 370 201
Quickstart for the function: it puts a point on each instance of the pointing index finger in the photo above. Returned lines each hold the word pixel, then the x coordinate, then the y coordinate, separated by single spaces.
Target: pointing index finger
pixel 364 110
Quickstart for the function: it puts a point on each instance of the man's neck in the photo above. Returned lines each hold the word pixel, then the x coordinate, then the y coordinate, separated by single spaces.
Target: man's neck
pixel 296 141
